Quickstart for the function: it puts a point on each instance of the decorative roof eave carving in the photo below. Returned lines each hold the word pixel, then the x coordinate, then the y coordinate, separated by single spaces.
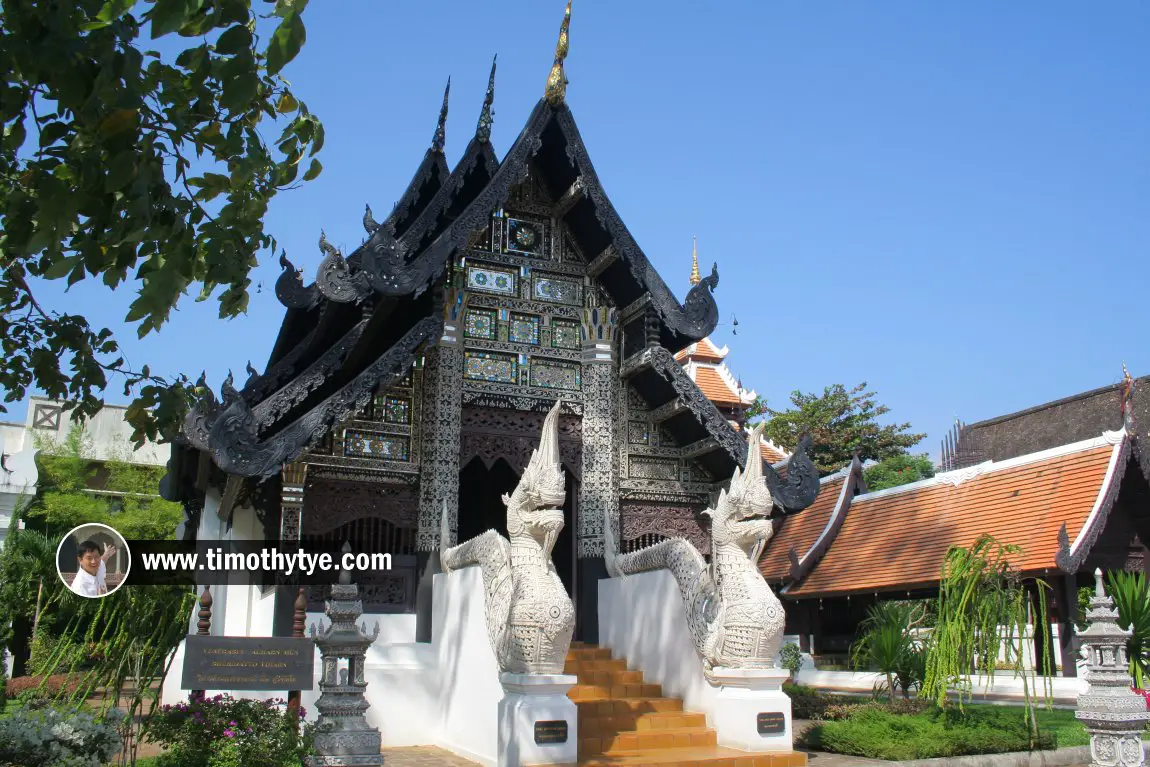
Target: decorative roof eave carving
pixel 694 319
pixel 852 475
pixel 793 494
pixel 233 437
pixel 384 264
pixel 1071 556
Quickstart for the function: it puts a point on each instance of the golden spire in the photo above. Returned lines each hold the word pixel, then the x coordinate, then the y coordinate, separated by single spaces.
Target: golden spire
pixel 557 80
pixel 695 277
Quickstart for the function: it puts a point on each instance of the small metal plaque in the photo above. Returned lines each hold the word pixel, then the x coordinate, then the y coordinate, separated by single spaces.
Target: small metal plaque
pixel 551 732
pixel 771 723
pixel 248 663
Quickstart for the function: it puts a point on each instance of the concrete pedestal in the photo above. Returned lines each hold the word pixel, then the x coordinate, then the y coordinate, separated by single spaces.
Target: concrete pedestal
pixel 538 699
pixel 751 710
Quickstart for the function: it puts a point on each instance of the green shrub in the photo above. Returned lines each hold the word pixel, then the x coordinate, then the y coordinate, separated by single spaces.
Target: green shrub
pixel 50 652
pixel 873 731
pixel 54 737
pixel 223 731
pixel 791 657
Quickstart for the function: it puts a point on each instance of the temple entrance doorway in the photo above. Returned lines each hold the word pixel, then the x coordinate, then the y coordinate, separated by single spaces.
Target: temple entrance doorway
pixel 481 509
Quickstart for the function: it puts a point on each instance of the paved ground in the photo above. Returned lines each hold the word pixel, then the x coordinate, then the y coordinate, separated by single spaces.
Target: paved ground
pixel 423 756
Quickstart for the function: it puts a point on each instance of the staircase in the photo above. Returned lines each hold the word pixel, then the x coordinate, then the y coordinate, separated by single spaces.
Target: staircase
pixel 625 721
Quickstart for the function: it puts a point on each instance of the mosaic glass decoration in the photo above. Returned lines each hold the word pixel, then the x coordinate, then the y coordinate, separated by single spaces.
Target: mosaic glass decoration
pixel 479 323
pixel 638 433
pixel 526 237
pixel 485 366
pixel 561 291
pixel 363 444
pixel 524 329
pixel 550 374
pixel 564 334
pixel 491 280
pixel 397 410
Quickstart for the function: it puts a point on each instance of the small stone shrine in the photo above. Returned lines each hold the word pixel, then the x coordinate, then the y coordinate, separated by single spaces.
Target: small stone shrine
pixel 1113 713
pixel 344 738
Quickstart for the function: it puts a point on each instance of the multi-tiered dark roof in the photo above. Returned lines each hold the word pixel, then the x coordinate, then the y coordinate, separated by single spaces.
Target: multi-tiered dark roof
pixel 365 318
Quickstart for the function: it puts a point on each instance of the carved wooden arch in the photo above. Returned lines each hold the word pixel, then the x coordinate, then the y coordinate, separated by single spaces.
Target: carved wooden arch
pixel 329 504
pixel 493 433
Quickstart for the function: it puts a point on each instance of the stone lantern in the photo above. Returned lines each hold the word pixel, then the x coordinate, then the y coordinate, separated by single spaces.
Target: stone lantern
pixel 1113 713
pixel 344 738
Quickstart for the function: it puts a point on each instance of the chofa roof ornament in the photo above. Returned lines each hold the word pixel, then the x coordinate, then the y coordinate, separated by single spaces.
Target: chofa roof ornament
pixel 557 79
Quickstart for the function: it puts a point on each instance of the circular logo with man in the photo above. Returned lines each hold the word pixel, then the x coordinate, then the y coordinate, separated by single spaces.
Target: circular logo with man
pixel 93 560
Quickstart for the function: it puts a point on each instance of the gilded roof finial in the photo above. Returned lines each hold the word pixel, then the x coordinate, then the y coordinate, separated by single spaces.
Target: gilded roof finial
pixel 695 277
pixel 440 137
pixel 487 116
pixel 557 80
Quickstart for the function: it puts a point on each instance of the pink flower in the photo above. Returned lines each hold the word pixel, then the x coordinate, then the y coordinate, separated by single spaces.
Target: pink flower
pixel 229 734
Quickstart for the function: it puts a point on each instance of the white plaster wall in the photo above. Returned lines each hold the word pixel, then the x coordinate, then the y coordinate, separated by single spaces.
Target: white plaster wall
pixel 641 618
pixel 11 437
pixel 109 433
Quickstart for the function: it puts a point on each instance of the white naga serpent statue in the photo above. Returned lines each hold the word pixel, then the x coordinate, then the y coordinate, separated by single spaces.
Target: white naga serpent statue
pixel 735 619
pixel 529 616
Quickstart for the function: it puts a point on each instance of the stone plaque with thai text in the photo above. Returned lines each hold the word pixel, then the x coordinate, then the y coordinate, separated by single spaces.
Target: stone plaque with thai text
pixel 248 663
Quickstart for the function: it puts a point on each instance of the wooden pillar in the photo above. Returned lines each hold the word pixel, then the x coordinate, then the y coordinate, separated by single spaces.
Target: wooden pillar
pixel 439 456
pixel 599 490
pixel 204 625
pixel 1066 601
pixel 299 618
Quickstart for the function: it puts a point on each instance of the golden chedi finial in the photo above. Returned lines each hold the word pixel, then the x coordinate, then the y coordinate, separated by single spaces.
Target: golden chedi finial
pixel 695 277
pixel 557 80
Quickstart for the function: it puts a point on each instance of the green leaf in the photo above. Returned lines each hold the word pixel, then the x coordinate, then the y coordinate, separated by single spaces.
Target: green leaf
pixel 52 132
pixel 236 39
pixel 169 15
pixel 313 171
pixel 287 103
pixel 61 267
pixel 120 171
pixel 114 9
pixel 289 37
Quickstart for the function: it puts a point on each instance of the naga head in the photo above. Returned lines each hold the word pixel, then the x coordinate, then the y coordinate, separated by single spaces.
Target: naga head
pixel 535 507
pixel 741 514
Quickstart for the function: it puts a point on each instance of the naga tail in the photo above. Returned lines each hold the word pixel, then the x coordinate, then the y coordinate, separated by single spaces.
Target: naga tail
pixel 693 576
pixel 492 552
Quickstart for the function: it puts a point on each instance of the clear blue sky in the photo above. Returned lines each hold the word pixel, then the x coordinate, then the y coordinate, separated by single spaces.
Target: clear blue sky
pixel 949 200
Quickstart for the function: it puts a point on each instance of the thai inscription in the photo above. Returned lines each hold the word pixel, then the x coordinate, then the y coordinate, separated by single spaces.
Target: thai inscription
pixel 550 732
pixel 771 723
pixel 248 663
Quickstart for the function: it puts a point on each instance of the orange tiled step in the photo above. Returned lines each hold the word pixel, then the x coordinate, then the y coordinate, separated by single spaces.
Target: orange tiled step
pixel 625 722
pixel 623 743
pixel 600 726
pixel 701 757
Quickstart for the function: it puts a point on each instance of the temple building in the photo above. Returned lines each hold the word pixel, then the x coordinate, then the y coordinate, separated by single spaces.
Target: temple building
pixel 1068 482
pixel 412 377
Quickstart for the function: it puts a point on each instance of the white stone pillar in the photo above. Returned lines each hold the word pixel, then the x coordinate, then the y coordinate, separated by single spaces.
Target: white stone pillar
pixel 751 710
pixel 538 723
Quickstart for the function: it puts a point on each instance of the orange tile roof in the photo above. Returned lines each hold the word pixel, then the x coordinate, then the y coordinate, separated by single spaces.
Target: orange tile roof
pixel 770 455
pixel 702 351
pixel 715 388
pixel 897 538
pixel 800 531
